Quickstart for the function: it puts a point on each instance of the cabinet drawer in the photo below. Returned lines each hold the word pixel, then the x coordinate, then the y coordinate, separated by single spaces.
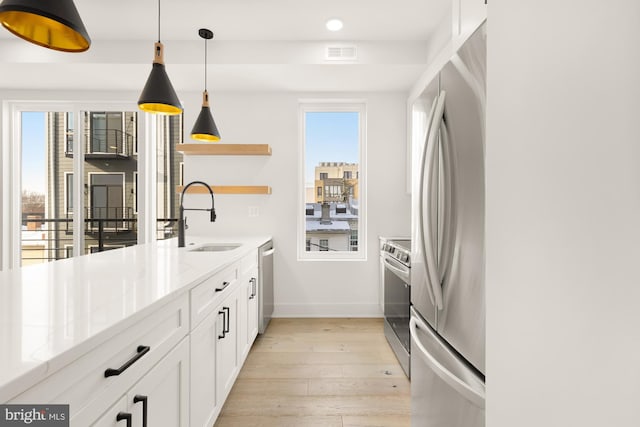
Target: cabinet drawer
pixel 207 294
pixel 248 262
pixel 83 385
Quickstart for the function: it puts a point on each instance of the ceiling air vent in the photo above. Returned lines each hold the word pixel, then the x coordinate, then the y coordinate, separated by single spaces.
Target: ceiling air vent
pixel 341 53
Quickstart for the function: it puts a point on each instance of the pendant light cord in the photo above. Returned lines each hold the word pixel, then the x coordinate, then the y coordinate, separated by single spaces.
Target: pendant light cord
pixel 158 21
pixel 205 64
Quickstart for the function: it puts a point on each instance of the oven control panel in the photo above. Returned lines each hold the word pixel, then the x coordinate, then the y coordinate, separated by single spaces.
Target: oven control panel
pixel 398 249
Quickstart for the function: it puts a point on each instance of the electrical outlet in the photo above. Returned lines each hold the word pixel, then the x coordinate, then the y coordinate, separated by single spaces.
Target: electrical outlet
pixel 253 211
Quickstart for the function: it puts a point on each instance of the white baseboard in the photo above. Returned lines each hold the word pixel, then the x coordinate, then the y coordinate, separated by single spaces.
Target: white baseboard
pixel 327 310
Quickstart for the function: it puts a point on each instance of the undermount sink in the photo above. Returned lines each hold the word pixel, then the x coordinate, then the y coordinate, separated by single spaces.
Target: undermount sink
pixel 216 247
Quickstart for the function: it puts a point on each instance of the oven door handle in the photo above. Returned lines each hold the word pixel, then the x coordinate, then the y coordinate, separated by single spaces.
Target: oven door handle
pixel 402 273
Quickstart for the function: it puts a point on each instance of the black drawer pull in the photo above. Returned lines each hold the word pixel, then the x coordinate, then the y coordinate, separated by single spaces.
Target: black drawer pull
pixel 141 351
pixel 224 285
pixel 124 416
pixel 224 324
pixel 139 398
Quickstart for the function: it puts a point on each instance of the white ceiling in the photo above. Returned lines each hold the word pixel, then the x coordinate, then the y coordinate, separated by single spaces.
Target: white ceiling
pixel 258 45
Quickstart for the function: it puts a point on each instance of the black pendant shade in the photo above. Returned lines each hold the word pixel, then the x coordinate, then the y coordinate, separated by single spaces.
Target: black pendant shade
pixel 205 128
pixel 158 95
pixel 54 24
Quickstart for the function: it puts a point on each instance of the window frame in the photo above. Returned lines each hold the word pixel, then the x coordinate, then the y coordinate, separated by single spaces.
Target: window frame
pixel 332 105
pixel 11 160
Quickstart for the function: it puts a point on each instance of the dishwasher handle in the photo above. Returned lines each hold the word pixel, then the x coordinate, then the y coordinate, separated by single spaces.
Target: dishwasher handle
pixel 269 252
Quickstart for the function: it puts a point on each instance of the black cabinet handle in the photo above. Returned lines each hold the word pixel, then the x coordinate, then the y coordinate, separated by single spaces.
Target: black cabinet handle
pixel 124 416
pixel 139 398
pixel 224 285
pixel 224 324
pixel 140 351
pixel 228 318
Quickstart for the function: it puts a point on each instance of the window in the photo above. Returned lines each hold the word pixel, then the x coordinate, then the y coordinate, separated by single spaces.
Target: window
pixel 170 174
pixel 68 192
pixel 332 152
pixel 77 164
pixel 106 199
pixel 44 227
pixel 68 133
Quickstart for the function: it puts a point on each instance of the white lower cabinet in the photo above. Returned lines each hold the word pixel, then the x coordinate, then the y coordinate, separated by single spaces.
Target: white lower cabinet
pixel 220 343
pixel 160 398
pixel 205 404
pixel 214 360
pixel 227 346
pixel 174 367
pixel 250 296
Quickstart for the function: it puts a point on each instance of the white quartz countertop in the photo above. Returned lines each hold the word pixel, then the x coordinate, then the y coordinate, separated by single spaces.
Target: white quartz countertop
pixel 52 313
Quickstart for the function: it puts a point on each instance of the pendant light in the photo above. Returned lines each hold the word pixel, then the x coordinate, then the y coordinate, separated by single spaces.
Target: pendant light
pixel 158 95
pixel 51 24
pixel 205 128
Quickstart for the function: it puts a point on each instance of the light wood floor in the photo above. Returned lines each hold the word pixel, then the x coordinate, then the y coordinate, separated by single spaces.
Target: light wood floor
pixel 319 373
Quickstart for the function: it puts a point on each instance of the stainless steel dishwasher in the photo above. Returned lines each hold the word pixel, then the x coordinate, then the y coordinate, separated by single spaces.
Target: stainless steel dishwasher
pixel 265 296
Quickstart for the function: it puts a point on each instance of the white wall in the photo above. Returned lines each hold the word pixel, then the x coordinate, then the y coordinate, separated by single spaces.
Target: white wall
pixel 303 288
pixel 563 213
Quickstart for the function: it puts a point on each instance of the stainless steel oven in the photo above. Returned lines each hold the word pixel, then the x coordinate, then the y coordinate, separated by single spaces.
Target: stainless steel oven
pixel 395 258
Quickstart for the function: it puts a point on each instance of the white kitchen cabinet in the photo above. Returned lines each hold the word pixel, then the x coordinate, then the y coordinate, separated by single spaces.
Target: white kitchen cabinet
pixel 160 398
pixel 176 357
pixel 252 309
pixel 247 313
pixel 215 355
pixel 227 366
pixel 84 384
pixel 205 404
pixel 243 306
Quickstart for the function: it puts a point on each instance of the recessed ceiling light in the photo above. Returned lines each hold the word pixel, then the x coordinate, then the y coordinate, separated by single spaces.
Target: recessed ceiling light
pixel 334 25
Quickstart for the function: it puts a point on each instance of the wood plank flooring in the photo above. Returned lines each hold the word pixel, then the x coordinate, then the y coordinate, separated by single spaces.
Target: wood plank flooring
pixel 319 373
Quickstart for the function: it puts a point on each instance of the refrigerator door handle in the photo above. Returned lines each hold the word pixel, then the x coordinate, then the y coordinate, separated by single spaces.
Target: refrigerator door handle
pixel 475 395
pixel 449 218
pixel 431 154
pixel 423 163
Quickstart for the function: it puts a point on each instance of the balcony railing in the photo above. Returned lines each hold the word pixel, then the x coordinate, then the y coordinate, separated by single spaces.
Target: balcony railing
pixel 116 219
pixel 52 239
pixel 104 144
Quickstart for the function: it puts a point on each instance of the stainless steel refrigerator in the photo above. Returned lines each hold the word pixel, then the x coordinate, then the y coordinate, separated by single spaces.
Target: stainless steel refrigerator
pixel 447 269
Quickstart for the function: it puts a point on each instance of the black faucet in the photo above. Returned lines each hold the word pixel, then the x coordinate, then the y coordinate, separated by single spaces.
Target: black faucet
pixel 182 220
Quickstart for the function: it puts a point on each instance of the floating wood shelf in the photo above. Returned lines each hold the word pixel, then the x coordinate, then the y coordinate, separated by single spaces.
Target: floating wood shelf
pixel 225 149
pixel 228 189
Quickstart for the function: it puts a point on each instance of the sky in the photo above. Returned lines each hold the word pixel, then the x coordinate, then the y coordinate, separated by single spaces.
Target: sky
pixel 33 152
pixel 330 137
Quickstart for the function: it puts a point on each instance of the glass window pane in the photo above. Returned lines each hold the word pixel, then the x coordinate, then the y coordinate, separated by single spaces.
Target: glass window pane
pixel 47 204
pixel 110 169
pixel 332 155
pixel 170 175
